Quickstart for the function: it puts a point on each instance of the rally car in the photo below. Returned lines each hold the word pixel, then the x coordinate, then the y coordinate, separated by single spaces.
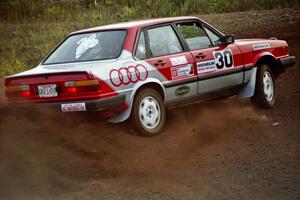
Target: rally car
pixel 138 69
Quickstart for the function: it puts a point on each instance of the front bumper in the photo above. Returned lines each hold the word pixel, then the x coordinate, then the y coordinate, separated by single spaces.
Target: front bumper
pixel 287 62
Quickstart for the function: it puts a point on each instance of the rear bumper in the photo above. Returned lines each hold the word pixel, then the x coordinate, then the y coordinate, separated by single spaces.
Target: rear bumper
pixel 287 62
pixel 110 103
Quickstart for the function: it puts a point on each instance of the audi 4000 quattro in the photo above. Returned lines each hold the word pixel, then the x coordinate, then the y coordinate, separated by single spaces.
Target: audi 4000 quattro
pixel 137 69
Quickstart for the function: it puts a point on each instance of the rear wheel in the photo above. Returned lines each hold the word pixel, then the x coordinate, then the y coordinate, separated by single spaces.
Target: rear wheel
pixel 149 115
pixel 265 88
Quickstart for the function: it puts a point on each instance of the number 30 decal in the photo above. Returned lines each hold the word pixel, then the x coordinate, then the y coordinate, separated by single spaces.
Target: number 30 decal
pixel 223 58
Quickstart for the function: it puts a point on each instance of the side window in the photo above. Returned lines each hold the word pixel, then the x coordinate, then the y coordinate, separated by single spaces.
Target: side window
pixel 141 47
pixel 163 41
pixel 194 35
pixel 215 39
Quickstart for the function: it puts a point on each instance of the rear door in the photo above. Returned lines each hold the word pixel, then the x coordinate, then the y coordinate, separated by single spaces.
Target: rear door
pixel 165 52
pixel 218 66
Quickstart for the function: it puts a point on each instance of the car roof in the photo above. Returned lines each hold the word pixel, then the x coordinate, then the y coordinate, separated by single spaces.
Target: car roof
pixel 135 24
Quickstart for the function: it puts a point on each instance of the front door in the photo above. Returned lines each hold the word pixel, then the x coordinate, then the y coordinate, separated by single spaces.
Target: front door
pixel 218 66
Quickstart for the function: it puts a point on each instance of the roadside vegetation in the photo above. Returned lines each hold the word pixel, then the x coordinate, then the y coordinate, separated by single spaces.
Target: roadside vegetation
pixel 30 29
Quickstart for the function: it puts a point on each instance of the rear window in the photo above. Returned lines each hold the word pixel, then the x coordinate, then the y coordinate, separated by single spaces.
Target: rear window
pixel 89 46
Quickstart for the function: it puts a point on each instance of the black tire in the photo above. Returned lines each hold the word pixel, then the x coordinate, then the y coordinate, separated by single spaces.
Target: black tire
pixel 154 106
pixel 265 93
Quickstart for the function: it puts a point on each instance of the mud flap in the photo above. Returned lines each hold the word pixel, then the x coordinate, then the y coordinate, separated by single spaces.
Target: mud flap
pixel 248 90
pixel 130 98
pixel 122 116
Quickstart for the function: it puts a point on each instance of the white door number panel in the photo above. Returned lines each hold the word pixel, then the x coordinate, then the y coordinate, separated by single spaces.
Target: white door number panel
pixel 223 59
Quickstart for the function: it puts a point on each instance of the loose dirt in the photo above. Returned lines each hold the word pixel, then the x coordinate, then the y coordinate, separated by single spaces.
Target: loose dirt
pixel 223 149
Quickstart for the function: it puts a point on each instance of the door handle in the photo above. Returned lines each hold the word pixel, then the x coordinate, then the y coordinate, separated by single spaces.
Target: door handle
pixel 159 62
pixel 200 55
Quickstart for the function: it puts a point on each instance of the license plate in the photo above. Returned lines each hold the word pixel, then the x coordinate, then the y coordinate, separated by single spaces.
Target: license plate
pixel 46 91
pixel 72 107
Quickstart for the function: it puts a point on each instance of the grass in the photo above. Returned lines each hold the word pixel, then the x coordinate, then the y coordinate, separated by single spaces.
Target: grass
pixel 29 30
pixel 22 46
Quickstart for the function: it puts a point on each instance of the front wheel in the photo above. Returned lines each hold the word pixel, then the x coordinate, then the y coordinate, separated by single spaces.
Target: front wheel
pixel 265 88
pixel 149 114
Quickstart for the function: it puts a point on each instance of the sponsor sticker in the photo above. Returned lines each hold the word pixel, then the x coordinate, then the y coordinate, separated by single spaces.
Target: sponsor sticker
pixel 206 66
pixel 126 75
pixel 84 44
pixel 72 107
pixel 180 60
pixel 182 71
pixel 261 46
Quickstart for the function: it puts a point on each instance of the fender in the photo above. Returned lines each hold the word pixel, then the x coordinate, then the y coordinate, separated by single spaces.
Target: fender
pixel 126 114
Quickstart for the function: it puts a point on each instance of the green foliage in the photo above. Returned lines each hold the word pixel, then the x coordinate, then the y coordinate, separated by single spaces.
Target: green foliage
pixel 54 11
pixel 20 10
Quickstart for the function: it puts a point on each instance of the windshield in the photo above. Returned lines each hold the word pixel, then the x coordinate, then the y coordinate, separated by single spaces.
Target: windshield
pixel 88 47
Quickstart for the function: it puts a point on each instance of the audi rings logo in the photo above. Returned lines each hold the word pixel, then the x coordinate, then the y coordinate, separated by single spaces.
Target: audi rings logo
pixel 131 74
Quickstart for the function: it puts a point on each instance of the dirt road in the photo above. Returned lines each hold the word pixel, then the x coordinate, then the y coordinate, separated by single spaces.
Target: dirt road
pixel 224 149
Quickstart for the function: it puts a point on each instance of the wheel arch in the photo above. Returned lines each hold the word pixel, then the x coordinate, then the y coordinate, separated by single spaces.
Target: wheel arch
pixel 156 85
pixel 149 83
pixel 263 58
pixel 269 59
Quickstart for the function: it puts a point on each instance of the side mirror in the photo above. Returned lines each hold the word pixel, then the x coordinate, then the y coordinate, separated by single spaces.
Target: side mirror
pixel 228 39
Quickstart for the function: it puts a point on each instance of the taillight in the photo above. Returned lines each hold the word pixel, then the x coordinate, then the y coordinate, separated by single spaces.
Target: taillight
pixel 24 90
pixel 25 93
pixel 72 90
pixel 82 86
